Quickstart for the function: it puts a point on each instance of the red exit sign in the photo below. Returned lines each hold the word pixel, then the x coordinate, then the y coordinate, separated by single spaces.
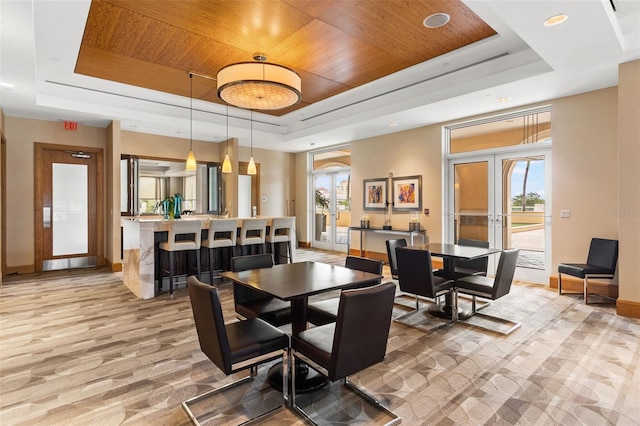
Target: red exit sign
pixel 70 125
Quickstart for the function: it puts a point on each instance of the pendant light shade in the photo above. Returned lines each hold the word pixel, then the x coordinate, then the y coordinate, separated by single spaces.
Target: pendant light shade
pixel 259 85
pixel 251 168
pixel 226 164
pixel 191 159
pixel 191 162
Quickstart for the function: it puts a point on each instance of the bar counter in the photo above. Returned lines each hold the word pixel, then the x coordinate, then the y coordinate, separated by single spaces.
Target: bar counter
pixel 139 238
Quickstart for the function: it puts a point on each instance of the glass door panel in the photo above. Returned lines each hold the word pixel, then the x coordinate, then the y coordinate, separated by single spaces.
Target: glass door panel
pixel 471 201
pixel 332 213
pixel 522 215
pixel 70 224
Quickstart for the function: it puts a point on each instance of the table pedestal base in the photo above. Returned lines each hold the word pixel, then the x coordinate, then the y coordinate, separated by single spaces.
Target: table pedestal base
pixel 446 312
pixel 307 379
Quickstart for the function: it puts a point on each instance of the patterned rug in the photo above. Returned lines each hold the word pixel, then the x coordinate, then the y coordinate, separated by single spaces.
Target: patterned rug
pixel 77 348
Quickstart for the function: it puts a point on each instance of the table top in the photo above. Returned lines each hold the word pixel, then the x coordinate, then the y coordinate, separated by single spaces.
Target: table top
pixel 455 251
pixel 301 279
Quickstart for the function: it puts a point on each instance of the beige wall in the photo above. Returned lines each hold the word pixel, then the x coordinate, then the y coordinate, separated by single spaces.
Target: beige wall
pixel 408 153
pixel 629 181
pixel 21 133
pixel 277 180
pixel 584 168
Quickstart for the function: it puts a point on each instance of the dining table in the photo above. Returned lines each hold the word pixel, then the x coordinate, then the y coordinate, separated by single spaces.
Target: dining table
pixel 450 253
pixel 295 282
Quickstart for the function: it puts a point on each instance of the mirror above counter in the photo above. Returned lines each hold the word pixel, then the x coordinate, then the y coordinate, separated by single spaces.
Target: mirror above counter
pixel 145 182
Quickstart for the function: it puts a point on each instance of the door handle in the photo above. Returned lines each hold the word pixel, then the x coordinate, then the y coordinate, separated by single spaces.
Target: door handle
pixel 46 217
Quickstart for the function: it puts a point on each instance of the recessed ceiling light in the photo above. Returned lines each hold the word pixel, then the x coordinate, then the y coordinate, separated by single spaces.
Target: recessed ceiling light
pixel 436 20
pixel 393 124
pixel 555 20
pixel 504 99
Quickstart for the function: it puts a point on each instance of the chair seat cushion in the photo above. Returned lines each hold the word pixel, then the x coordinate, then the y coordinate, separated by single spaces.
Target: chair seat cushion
pixel 278 239
pixel 581 269
pixel 253 337
pixel 274 311
pixel 323 312
pixel 475 285
pixel 218 243
pixel 316 343
pixel 179 246
pixel 247 241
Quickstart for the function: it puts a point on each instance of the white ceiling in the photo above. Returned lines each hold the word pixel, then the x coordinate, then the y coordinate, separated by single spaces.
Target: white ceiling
pixel 525 62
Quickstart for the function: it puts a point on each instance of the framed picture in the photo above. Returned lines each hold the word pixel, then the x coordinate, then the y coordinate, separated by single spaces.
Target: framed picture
pixel 375 194
pixel 407 193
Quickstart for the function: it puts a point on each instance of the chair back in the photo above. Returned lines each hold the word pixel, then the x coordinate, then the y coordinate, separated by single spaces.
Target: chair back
pixel 184 227
pixel 363 264
pixel 207 314
pixel 415 272
pixel 255 226
pixel 479 265
pixel 220 226
pixel 252 261
pixel 505 272
pixel 242 294
pixel 391 253
pixel 603 253
pixel 361 330
pixel 281 229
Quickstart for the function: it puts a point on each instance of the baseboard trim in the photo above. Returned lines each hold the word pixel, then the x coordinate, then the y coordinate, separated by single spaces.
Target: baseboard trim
pixel 628 308
pixel 304 244
pixel 115 267
pixel 20 269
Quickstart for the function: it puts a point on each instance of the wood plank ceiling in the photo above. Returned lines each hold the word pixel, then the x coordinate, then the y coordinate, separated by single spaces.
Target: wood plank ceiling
pixel 335 46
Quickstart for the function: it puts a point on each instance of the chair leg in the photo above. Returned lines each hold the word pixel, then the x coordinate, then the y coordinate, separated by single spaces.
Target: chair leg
pixel 211 263
pixel 172 271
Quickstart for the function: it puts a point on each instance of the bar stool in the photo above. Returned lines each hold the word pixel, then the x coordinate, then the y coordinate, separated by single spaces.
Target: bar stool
pixel 252 233
pixel 281 231
pixel 222 233
pixel 184 236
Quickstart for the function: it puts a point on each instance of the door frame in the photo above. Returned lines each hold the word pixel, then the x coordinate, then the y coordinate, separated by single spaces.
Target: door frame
pixel 333 245
pixel 39 149
pixel 495 215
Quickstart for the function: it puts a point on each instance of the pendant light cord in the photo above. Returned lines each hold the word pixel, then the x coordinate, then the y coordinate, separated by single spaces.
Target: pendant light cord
pixel 191 117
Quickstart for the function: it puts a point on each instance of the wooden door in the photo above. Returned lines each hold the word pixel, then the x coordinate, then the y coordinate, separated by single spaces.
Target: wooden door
pixel 68 207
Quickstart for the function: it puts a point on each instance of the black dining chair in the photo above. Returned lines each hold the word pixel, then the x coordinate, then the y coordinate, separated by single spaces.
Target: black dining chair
pixel 493 289
pixel 251 303
pixel 357 340
pixel 391 254
pixel 415 276
pixel 233 347
pixel 601 263
pixel 326 311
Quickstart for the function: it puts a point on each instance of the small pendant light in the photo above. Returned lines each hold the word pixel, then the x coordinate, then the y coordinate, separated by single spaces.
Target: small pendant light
pixel 251 169
pixel 226 164
pixel 191 159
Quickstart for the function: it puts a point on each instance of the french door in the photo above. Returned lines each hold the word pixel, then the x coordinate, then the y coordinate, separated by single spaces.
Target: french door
pixel 332 218
pixel 504 199
pixel 69 219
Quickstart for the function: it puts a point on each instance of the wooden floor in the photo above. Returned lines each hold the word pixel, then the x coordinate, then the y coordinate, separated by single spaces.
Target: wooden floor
pixel 77 348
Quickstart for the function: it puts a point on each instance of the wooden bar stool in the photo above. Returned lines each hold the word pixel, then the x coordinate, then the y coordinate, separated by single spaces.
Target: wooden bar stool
pixel 281 231
pixel 222 234
pixel 184 236
pixel 252 233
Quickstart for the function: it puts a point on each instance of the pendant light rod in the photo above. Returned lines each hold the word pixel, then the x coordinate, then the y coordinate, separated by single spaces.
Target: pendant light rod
pixel 197 74
pixel 191 159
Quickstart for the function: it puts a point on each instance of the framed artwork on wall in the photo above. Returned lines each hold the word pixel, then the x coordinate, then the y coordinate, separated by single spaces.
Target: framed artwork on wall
pixel 375 194
pixel 407 193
